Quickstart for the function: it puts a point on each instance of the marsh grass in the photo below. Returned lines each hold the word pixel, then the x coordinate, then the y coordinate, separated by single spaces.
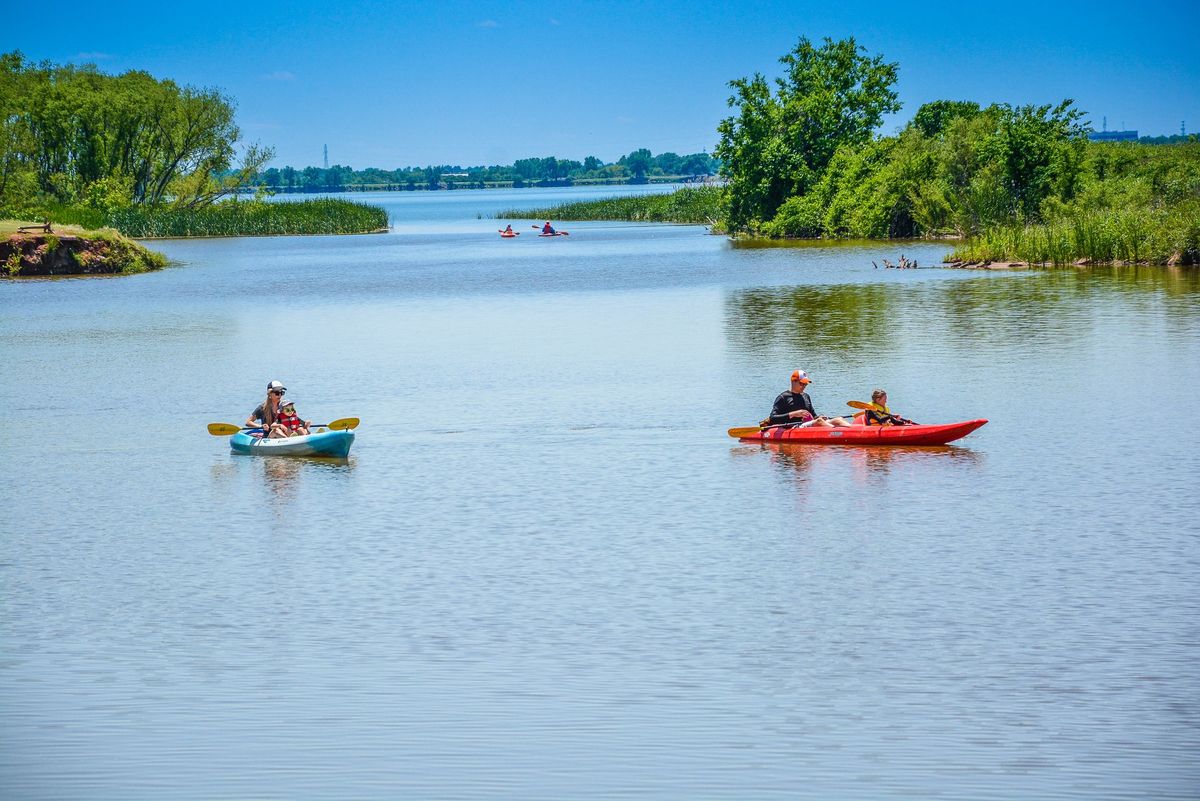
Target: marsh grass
pixel 688 205
pixel 236 218
pixel 1137 235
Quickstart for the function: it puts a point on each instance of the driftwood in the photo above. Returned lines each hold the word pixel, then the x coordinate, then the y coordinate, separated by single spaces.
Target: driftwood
pixel 44 228
pixel 905 264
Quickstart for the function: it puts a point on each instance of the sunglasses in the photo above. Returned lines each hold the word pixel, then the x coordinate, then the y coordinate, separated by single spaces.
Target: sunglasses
pixel 278 391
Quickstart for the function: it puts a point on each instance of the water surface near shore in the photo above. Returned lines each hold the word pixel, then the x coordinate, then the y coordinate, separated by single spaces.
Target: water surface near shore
pixel 545 572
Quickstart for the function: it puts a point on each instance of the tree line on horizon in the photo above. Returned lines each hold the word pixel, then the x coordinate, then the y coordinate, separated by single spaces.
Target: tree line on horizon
pixel 638 166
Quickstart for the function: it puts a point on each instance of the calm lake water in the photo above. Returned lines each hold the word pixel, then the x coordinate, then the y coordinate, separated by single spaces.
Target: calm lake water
pixel 547 573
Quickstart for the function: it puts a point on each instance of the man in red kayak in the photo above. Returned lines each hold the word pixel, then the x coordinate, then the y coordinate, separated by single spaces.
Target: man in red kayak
pixel 794 407
pixel 548 229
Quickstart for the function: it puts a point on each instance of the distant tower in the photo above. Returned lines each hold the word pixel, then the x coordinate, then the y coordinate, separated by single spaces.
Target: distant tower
pixel 327 157
pixel 1183 127
pixel 1105 123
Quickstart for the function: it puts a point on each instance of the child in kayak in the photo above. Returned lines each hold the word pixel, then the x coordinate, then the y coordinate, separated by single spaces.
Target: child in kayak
pixel 872 417
pixel 289 424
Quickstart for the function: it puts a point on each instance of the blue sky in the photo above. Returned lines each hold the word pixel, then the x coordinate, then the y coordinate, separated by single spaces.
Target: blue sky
pixel 397 84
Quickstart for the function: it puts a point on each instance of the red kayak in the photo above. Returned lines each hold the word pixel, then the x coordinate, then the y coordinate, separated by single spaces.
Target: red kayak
pixel 868 435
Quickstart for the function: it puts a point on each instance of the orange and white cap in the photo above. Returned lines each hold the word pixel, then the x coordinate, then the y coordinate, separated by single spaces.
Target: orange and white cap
pixel 800 375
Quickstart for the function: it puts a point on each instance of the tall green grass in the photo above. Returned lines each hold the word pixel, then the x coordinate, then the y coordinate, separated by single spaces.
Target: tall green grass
pixel 689 205
pixel 235 218
pixel 1130 235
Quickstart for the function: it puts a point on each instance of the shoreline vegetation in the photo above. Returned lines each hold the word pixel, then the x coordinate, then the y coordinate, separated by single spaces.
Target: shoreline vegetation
pixel 71 250
pixel 1015 184
pixel 689 205
pixel 144 156
pixel 799 158
pixel 236 218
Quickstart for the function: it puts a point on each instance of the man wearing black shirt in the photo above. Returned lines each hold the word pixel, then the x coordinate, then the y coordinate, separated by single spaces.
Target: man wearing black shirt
pixel 796 408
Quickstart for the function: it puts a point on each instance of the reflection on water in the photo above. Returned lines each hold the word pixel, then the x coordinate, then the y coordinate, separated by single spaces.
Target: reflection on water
pixel 585 592
pixel 866 460
pixel 861 469
pixel 849 320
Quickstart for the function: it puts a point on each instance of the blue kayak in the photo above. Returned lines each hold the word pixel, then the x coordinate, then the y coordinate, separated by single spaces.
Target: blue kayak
pixel 326 443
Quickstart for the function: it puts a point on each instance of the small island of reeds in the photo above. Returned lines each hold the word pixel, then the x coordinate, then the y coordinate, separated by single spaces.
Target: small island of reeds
pixel 236 218
pixel 699 205
pixel 38 250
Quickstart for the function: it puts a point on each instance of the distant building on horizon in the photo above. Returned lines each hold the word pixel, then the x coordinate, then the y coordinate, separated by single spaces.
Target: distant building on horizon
pixel 1113 136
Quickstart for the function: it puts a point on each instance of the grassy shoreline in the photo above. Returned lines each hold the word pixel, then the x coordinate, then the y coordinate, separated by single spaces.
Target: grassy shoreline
pixel 1127 236
pixel 71 251
pixel 319 216
pixel 690 205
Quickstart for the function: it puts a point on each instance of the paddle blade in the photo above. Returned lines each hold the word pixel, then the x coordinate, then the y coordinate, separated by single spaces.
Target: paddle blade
pixel 863 405
pixel 344 424
pixel 747 431
pixel 223 429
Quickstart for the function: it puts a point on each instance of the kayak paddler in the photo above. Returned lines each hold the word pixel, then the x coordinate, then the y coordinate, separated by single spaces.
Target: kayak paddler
pixel 267 412
pixel 548 229
pixel 794 407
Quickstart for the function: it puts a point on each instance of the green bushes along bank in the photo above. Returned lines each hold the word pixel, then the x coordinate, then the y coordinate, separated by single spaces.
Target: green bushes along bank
pixel 1017 183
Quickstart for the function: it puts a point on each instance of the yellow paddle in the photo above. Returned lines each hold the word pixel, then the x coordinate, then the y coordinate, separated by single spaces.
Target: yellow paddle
pixel 229 429
pixel 747 431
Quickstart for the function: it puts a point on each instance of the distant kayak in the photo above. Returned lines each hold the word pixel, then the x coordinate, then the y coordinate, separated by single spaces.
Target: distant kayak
pixel 556 233
pixel 326 443
pixel 868 435
pixel 509 234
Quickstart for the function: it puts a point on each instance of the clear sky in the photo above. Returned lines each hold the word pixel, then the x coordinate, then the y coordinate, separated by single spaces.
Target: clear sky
pixel 390 84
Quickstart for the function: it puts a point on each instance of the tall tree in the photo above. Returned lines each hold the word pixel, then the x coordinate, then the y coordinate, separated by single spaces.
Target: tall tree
pixel 638 162
pixel 779 144
pixel 76 133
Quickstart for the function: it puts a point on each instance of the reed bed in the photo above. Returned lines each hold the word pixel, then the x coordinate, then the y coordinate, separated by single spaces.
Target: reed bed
pixel 1139 235
pixel 241 218
pixel 235 218
pixel 688 205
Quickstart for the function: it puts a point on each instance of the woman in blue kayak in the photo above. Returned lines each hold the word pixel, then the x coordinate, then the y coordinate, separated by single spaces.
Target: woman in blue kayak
pixel 267 412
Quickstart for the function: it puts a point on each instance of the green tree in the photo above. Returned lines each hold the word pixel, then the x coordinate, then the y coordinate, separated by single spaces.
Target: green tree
pixel 778 145
pixel 638 162
pixel 932 118
pixel 77 135
pixel 1041 149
